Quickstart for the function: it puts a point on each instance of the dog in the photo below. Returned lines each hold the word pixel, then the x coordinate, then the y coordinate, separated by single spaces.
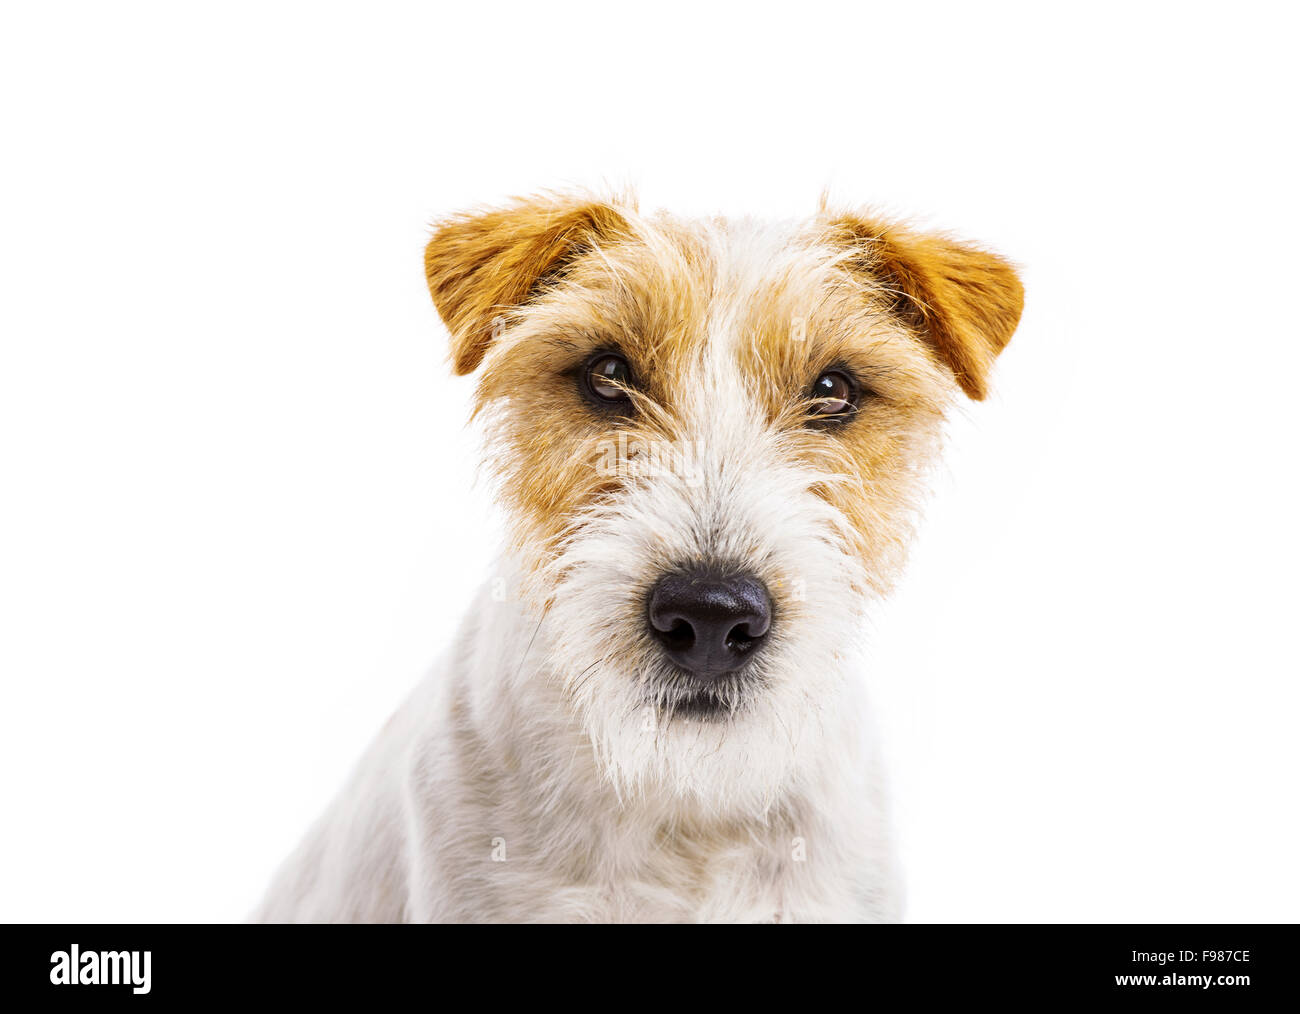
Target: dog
pixel 709 439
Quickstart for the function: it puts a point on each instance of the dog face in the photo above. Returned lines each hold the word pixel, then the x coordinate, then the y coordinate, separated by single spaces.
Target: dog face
pixel 709 439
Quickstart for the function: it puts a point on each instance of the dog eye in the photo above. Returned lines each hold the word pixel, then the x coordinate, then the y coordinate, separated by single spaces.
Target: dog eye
pixel 834 394
pixel 606 377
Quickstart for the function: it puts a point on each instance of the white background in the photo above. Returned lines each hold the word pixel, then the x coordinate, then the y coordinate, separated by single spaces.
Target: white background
pixel 236 522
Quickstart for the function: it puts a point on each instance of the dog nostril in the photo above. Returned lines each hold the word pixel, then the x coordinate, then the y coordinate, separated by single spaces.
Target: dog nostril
pixel 709 625
pixel 740 639
pixel 680 637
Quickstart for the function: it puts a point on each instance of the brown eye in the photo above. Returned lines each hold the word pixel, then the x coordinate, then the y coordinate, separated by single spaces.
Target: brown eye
pixel 834 394
pixel 606 377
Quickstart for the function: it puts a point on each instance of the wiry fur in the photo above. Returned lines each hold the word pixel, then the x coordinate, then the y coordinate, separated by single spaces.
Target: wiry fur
pixel 546 771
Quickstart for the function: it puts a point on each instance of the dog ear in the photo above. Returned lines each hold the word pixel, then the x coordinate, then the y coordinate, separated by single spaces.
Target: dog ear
pixel 480 265
pixel 965 301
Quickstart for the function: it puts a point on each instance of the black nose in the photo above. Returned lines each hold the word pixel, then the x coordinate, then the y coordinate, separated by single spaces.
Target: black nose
pixel 709 625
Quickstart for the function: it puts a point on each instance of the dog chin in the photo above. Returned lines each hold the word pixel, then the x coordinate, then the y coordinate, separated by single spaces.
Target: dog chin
pixel 730 746
pixel 716 755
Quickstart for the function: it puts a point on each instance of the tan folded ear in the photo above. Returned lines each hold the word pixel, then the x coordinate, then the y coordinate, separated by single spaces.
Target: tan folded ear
pixel 964 301
pixel 481 265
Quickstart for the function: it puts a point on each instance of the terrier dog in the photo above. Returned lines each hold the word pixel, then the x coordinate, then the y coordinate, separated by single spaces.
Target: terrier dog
pixel 709 438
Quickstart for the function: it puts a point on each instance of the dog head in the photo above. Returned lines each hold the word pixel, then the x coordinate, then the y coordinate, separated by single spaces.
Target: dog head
pixel 709 438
